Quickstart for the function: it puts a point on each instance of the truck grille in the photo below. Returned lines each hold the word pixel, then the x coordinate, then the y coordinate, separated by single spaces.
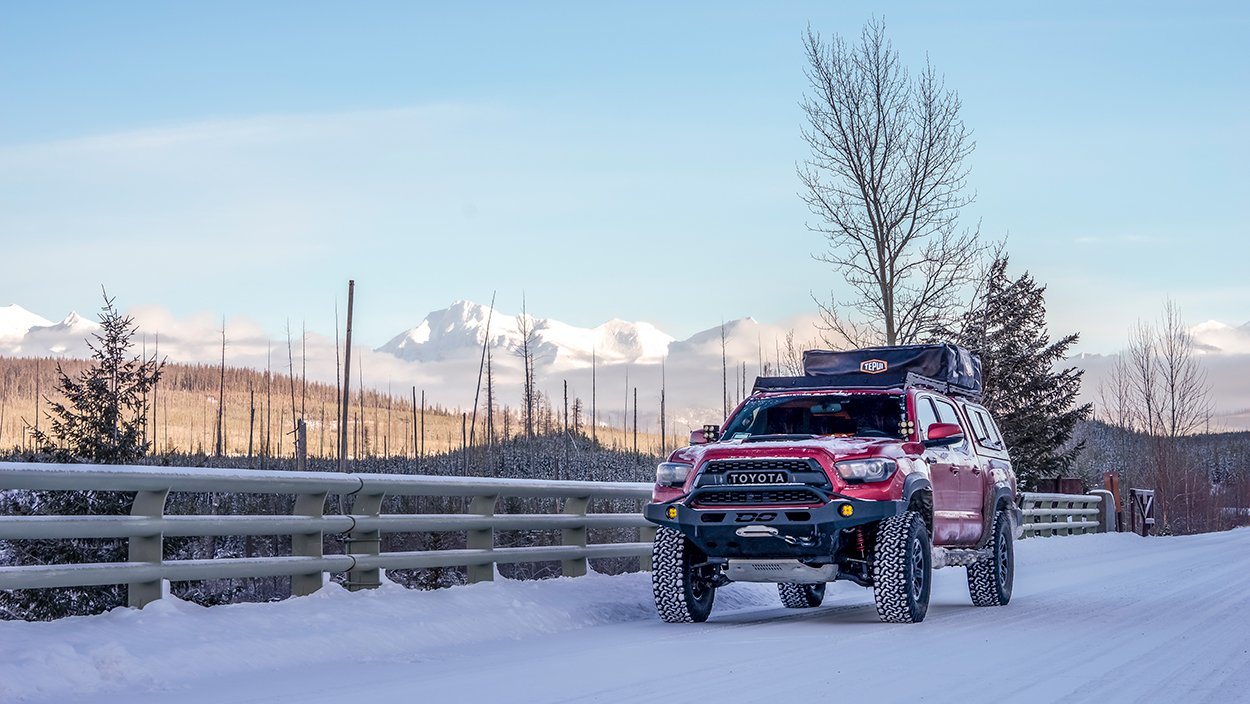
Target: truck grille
pixel 759 465
pixel 755 497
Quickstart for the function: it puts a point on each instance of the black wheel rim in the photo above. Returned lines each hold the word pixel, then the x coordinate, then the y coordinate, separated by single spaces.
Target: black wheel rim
pixel 917 567
pixel 697 588
pixel 1004 557
pixel 700 589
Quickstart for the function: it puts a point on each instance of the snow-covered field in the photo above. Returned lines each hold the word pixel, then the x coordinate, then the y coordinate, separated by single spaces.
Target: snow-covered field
pixel 1099 618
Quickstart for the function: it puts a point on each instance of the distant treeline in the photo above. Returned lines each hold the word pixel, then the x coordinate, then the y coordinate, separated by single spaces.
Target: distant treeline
pixel 259 410
pixel 1202 481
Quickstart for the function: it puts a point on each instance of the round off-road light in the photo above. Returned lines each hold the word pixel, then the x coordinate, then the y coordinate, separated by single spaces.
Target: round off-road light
pixel 846 509
pixel 672 512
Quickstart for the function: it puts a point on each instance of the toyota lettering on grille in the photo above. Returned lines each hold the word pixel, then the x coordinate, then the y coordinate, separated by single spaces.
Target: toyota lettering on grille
pixel 756 478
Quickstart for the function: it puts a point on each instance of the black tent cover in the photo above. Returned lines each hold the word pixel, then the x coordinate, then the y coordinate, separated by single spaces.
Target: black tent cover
pixel 948 365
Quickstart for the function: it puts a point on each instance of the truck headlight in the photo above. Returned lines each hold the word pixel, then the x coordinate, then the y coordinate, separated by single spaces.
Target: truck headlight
pixel 672 473
pixel 863 471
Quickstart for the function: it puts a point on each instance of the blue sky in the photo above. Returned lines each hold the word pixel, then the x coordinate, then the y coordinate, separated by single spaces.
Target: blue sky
pixel 608 160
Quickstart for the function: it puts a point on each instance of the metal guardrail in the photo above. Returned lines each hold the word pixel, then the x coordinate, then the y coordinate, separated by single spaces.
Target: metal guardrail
pixel 308 565
pixel 362 528
pixel 1067 514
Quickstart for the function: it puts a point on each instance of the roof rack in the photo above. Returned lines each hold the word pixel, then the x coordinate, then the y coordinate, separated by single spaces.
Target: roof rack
pixel 913 380
pixel 918 381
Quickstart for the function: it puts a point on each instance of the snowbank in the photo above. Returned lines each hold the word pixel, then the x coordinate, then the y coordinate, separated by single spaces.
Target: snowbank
pixel 1094 618
pixel 172 640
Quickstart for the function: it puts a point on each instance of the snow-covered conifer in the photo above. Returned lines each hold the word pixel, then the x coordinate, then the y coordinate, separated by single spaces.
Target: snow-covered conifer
pixel 1033 399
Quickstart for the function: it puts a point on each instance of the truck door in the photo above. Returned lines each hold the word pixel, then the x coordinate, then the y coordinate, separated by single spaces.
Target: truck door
pixel 943 473
pixel 966 467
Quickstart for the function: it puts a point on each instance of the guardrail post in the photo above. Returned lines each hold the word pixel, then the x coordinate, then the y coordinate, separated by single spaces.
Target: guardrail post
pixel 646 535
pixel 574 536
pixel 365 542
pixel 146 548
pixel 482 539
pixel 1106 510
pixel 308 544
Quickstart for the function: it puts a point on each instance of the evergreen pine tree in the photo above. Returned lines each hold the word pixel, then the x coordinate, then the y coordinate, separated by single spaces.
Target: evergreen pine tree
pixel 101 419
pixel 1033 401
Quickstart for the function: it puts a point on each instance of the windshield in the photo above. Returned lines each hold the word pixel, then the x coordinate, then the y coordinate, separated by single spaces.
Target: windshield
pixel 861 415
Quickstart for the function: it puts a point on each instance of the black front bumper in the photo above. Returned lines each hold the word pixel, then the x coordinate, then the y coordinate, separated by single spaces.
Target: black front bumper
pixel 801 533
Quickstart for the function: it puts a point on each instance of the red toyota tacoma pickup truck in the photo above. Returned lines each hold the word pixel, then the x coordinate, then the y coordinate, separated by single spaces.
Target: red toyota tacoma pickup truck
pixel 875 467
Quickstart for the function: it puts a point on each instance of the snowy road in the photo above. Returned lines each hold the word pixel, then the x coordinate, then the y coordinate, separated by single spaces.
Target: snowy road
pixel 1100 618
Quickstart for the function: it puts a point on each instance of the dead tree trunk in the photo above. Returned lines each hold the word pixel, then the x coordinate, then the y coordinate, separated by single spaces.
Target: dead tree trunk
pixel 347 373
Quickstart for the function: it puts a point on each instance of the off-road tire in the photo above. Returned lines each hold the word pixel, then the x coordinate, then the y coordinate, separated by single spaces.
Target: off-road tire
pixel 990 580
pixel 681 596
pixel 902 569
pixel 801 596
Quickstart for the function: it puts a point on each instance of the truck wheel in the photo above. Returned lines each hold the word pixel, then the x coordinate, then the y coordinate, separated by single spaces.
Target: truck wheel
pixel 682 593
pixel 902 569
pixel 990 580
pixel 801 596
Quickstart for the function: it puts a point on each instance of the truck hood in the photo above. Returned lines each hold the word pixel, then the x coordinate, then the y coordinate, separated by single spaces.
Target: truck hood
pixel 828 449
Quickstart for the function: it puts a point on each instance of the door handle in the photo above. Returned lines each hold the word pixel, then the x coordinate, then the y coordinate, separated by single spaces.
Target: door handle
pixel 976 470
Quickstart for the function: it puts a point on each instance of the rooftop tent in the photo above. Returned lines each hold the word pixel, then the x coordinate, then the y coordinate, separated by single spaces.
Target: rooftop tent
pixel 883 367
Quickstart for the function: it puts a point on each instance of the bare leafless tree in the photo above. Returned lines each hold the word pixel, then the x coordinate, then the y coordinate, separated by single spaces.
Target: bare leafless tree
pixel 529 340
pixel 1115 403
pixel 886 181
pixel 594 399
pixel 724 372
pixel 480 370
pixel 1186 395
pixel 290 359
pixel 1142 363
pixel 1159 383
pixel 1158 388
pixel 790 357
pixel 221 396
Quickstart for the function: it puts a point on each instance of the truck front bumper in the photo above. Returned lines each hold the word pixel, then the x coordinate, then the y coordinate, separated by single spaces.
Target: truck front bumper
pixel 770 532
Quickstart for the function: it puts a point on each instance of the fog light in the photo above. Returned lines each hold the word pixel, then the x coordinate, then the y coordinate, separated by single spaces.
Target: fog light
pixel 672 512
pixel 846 509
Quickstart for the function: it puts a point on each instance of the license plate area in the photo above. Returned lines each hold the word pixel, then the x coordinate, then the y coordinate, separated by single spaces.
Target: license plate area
pixel 765 477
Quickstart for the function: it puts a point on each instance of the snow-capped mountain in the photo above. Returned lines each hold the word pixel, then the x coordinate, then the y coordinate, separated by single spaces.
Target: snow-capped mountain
pixel 458 330
pixel 741 339
pixel 25 333
pixel 71 323
pixel 16 321
pixel 1216 337
pixel 68 337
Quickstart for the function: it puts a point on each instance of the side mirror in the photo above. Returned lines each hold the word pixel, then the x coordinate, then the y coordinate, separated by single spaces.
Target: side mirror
pixel 704 435
pixel 944 435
